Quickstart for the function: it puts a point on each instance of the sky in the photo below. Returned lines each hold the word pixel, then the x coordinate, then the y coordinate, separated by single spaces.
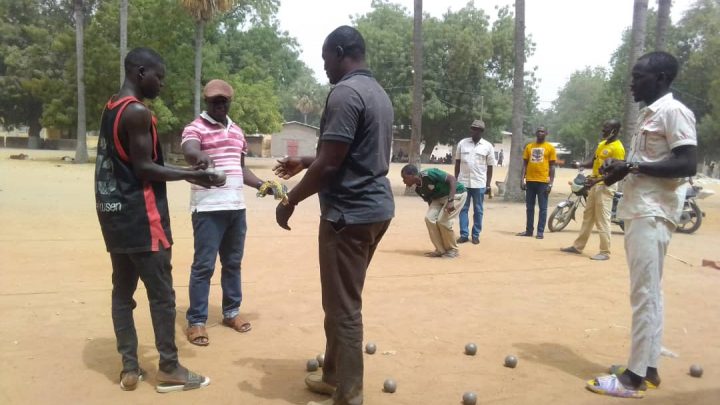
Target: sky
pixel 569 34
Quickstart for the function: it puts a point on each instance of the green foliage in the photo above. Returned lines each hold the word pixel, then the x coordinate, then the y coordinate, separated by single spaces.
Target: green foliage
pixel 695 40
pixel 468 66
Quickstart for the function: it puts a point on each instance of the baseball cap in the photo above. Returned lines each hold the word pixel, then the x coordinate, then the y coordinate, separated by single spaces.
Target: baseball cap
pixel 217 87
pixel 478 124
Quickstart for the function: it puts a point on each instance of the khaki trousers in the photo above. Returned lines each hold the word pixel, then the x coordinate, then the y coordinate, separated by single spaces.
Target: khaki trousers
pixel 646 243
pixel 597 212
pixel 440 223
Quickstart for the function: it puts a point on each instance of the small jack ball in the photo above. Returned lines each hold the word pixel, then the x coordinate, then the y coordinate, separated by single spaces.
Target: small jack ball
pixel 469 398
pixel 696 371
pixel 511 361
pixel 470 349
pixel 389 386
pixel 370 348
pixel 312 365
pixel 320 359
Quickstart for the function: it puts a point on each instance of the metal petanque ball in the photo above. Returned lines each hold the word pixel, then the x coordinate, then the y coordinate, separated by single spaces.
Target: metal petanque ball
pixel 511 361
pixel 469 398
pixel 470 349
pixel 389 386
pixel 218 176
pixel 370 348
pixel 312 365
pixel 320 359
pixel 696 371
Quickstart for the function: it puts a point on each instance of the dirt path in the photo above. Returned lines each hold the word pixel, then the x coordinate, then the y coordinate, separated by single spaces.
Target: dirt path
pixel 565 317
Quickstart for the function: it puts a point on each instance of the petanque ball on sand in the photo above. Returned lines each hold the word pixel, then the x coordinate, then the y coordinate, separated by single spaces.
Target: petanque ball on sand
pixel 312 365
pixel 370 348
pixel 511 361
pixel 389 386
pixel 320 359
pixel 469 398
pixel 696 371
pixel 470 349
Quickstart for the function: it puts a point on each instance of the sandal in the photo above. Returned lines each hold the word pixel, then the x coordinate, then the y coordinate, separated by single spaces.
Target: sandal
pixel 167 383
pixel 435 253
pixel 611 385
pixel 238 324
pixel 197 335
pixel 618 369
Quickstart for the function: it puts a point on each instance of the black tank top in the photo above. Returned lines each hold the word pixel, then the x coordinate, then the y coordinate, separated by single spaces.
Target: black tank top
pixel 133 213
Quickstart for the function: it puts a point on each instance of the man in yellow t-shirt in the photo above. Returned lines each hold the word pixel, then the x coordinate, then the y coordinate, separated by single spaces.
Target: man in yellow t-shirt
pixel 598 206
pixel 538 175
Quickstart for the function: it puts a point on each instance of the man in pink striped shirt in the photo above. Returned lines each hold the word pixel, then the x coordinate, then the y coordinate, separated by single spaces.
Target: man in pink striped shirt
pixel 218 213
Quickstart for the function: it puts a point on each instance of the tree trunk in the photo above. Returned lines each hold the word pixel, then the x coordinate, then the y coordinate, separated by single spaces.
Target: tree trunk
pixel 199 33
pixel 513 192
pixel 123 37
pixel 81 154
pixel 663 22
pixel 34 128
pixel 417 93
pixel 637 44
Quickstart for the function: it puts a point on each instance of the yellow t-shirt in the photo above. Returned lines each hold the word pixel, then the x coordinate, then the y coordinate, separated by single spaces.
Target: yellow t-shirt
pixel 539 156
pixel 604 150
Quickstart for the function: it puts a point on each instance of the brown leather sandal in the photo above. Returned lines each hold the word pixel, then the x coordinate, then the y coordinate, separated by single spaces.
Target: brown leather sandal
pixel 197 335
pixel 238 324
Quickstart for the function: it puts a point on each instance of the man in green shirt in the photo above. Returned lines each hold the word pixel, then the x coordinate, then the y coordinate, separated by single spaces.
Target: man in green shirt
pixel 445 196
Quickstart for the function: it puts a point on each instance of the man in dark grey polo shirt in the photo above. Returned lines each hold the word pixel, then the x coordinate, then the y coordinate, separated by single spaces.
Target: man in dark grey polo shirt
pixel 356 203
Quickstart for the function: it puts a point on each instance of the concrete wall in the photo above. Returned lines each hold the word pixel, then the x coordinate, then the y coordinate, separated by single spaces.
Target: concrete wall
pixel 294 139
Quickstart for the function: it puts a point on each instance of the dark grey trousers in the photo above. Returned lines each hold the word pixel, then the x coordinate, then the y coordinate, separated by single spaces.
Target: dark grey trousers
pixel 154 269
pixel 345 254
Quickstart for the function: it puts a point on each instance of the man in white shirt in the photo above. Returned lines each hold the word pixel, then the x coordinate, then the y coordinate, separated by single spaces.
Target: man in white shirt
pixel 663 153
pixel 474 161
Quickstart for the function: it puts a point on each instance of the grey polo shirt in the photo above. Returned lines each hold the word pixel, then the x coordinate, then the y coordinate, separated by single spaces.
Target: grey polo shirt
pixel 358 112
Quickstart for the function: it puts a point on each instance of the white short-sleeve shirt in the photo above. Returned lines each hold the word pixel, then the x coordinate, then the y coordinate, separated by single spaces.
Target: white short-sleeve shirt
pixel 474 159
pixel 662 126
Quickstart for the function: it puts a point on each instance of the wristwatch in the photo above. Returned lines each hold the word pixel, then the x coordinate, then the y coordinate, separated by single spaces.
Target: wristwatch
pixel 286 201
pixel 633 167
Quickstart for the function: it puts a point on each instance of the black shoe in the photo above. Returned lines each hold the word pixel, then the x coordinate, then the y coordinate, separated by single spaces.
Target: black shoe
pixel 539 236
pixel 475 241
pixel 524 234
pixel 463 239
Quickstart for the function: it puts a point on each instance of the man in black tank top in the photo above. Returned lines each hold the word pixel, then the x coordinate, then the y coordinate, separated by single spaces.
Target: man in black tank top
pixel 131 203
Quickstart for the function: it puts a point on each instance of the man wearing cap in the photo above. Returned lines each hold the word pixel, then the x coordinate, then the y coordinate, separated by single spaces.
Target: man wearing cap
pixel 538 174
pixel 218 213
pixel 474 161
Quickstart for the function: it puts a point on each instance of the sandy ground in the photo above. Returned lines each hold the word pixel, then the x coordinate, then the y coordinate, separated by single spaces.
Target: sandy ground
pixel 564 316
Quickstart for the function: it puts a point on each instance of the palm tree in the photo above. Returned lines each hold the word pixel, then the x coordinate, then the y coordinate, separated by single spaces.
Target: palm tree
pixel 203 11
pixel 663 21
pixel 513 192
pixel 123 37
pixel 81 154
pixel 417 94
pixel 305 105
pixel 637 44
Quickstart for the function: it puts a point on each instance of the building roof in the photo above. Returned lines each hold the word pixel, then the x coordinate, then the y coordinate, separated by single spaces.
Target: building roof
pixel 301 124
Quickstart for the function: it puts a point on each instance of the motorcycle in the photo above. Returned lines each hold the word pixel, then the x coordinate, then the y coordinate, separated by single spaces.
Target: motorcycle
pixel 690 219
pixel 691 216
pixel 566 209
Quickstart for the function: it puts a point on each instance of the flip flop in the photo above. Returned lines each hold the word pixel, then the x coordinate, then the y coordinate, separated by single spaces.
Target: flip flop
pixel 193 381
pixel 434 254
pixel 618 369
pixel 610 385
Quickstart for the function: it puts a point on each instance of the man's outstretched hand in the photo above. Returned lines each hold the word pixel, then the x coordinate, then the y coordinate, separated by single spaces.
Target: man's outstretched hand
pixel 288 167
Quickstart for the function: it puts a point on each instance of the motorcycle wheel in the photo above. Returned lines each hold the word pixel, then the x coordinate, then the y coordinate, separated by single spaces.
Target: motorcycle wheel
pixel 693 224
pixel 560 218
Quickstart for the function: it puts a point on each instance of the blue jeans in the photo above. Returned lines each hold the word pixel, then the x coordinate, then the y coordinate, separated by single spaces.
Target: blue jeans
pixel 476 195
pixel 216 232
pixel 536 189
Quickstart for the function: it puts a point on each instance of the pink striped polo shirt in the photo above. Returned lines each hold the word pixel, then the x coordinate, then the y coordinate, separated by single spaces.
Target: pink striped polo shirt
pixel 225 146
